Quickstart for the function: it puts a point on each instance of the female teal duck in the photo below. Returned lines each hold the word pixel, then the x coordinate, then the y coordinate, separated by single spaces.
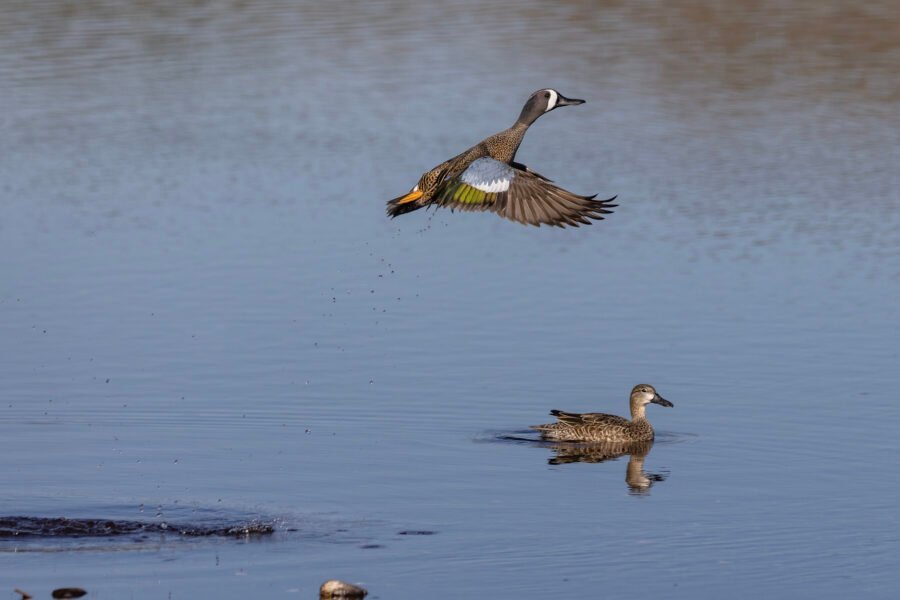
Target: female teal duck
pixel 600 427
pixel 486 177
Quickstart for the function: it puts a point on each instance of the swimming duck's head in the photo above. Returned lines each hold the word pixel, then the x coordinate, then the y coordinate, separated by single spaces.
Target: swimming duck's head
pixel 543 101
pixel 643 394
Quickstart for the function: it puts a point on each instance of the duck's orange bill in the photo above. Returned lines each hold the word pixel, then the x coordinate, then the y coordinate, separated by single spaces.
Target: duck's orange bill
pixel 410 197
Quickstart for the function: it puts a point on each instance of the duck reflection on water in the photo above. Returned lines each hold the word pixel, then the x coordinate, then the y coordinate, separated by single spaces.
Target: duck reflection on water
pixel 639 481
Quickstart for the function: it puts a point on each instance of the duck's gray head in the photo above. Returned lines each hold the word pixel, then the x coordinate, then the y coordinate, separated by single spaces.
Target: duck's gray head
pixel 543 101
pixel 643 394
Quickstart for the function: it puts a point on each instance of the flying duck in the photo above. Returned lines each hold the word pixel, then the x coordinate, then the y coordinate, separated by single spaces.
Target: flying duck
pixel 600 427
pixel 486 177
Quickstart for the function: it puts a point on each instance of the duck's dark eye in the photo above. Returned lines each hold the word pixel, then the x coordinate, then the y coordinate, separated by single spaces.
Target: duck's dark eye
pixel 546 94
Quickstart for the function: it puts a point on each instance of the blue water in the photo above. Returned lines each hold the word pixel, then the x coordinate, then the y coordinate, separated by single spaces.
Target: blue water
pixel 204 311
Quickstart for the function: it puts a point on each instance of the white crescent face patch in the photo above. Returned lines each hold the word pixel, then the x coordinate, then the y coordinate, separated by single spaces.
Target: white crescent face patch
pixel 552 100
pixel 488 175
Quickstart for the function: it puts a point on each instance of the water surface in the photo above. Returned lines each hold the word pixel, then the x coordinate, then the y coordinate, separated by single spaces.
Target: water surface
pixel 205 314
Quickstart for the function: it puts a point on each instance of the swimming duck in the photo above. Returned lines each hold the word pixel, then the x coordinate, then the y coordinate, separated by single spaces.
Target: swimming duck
pixel 600 427
pixel 486 177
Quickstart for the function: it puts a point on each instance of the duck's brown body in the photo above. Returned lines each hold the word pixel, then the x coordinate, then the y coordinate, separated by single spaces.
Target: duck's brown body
pixel 486 177
pixel 596 427
pixel 501 147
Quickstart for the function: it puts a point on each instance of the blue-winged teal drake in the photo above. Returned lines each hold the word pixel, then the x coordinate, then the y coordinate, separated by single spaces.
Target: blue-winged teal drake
pixel 486 177
pixel 600 427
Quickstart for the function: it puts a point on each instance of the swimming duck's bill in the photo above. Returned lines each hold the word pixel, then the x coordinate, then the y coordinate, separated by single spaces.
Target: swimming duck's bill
pixel 657 399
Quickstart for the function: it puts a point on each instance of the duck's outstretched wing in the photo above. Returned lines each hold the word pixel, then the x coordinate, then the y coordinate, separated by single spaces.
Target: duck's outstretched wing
pixel 519 194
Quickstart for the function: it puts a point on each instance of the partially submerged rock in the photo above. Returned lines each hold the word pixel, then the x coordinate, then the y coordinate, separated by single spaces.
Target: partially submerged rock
pixel 334 588
pixel 71 592
pixel 23 526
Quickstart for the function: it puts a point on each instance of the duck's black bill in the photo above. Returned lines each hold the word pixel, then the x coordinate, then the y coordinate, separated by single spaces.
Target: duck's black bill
pixel 661 401
pixel 563 101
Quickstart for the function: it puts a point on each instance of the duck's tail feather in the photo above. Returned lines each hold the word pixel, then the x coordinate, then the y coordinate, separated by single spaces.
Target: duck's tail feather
pixel 404 204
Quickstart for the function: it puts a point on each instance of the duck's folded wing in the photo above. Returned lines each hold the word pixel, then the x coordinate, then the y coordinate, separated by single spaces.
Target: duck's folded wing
pixel 590 419
pixel 604 419
pixel 567 417
pixel 519 194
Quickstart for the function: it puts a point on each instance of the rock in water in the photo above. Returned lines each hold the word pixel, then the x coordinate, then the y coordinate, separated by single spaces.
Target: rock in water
pixel 334 588
pixel 68 593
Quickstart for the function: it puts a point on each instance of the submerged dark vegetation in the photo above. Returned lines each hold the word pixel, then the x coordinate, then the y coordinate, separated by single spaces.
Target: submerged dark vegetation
pixel 30 527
